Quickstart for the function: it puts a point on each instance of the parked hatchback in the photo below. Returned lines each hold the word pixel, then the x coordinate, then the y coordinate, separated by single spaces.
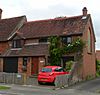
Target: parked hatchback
pixel 49 73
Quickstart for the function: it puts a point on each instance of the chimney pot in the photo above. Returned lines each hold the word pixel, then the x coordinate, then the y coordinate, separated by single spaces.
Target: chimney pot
pixel 0 13
pixel 84 11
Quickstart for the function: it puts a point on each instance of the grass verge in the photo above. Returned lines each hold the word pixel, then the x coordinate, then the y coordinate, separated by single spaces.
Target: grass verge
pixel 4 87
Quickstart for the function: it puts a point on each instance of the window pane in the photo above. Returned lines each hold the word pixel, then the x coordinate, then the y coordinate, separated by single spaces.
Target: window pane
pixel 59 70
pixel 64 40
pixel 16 44
pixel 68 39
pixel 25 61
pixel 46 70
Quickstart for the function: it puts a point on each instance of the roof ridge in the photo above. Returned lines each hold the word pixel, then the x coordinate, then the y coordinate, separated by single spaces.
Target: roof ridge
pixel 53 19
pixel 56 19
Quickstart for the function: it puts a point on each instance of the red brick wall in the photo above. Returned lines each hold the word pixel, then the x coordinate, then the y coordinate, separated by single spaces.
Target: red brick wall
pixel 30 41
pixel 98 55
pixel 29 66
pixel 3 46
pixel 40 61
pixel 1 64
pixel 89 59
pixel 20 65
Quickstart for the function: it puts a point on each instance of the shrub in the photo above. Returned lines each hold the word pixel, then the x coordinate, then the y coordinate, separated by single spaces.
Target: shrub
pixel 97 68
pixel 68 65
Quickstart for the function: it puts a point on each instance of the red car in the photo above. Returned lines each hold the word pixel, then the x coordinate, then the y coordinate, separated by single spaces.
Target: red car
pixel 49 73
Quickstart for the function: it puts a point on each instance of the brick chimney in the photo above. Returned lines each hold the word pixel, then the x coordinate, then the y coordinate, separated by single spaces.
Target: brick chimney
pixel 84 11
pixel 0 13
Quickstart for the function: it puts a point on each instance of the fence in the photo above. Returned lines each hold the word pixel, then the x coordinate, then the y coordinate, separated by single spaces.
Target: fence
pixel 17 78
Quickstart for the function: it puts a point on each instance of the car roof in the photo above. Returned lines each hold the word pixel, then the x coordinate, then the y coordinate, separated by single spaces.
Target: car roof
pixel 52 67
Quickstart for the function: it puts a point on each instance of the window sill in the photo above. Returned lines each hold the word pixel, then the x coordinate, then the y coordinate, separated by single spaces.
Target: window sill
pixel 16 48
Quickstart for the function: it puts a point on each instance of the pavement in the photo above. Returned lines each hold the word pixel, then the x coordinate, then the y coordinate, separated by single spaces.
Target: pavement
pixel 91 87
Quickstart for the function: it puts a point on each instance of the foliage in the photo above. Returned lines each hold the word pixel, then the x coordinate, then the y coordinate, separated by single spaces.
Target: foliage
pixel 69 65
pixel 56 51
pixel 75 46
pixel 97 68
pixel 4 87
pixel 89 77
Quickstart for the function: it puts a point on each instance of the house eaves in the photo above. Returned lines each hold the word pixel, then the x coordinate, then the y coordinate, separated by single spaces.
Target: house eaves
pixel 92 28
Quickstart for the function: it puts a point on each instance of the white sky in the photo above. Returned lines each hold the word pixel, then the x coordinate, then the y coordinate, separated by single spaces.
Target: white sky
pixel 46 9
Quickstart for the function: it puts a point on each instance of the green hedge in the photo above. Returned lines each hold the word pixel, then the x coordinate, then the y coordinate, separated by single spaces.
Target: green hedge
pixel 98 68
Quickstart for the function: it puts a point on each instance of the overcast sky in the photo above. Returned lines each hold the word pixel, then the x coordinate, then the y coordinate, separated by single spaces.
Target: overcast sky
pixel 46 9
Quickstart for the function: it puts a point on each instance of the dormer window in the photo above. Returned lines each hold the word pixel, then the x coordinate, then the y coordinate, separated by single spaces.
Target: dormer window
pixel 16 44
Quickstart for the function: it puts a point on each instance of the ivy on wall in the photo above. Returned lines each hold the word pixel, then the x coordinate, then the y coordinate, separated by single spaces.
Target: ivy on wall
pixel 75 46
pixel 56 51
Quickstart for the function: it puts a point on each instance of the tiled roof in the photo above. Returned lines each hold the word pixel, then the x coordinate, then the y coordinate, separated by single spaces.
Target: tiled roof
pixel 57 26
pixel 43 28
pixel 7 26
pixel 28 50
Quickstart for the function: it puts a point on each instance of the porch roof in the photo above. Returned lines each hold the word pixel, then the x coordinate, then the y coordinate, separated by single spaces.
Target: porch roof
pixel 27 50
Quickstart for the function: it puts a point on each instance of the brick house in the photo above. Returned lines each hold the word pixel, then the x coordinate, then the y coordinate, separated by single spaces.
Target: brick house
pixel 98 55
pixel 24 45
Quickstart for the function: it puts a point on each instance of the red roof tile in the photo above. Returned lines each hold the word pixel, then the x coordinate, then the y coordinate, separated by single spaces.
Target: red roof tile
pixel 58 26
pixel 7 26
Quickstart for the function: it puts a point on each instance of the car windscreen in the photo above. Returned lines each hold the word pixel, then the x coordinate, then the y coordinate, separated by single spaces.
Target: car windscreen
pixel 46 70
pixel 59 70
